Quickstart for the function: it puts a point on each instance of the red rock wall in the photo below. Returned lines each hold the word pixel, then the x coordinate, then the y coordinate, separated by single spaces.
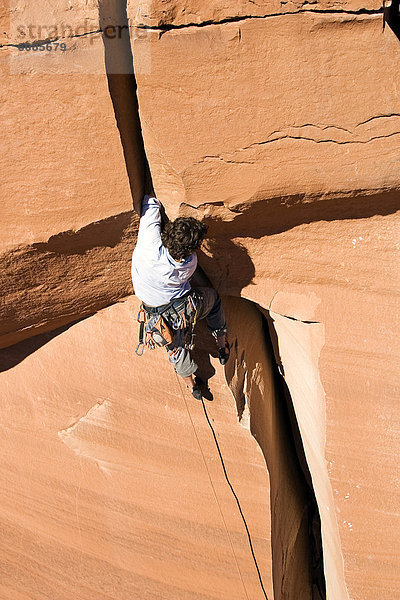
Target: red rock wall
pixel 284 136
pixel 264 108
pixel 278 124
pixel 251 376
pixel 112 484
pixel 67 228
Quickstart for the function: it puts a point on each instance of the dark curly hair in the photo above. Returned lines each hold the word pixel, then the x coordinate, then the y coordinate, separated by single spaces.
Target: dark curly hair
pixel 183 236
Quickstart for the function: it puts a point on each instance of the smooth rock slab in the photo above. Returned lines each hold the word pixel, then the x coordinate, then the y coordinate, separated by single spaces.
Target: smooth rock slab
pixel 112 485
pixel 290 105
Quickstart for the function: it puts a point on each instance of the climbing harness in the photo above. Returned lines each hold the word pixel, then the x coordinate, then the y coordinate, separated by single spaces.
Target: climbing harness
pixel 158 326
pixel 154 332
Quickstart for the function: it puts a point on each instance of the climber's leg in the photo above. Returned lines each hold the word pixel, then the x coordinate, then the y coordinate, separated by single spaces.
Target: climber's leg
pixel 210 308
pixel 185 366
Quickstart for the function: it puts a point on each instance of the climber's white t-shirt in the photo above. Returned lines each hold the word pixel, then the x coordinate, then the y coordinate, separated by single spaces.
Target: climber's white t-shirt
pixel 157 278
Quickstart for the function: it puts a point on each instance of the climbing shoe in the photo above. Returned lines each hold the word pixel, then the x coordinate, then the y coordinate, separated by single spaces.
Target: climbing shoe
pixel 223 353
pixel 196 390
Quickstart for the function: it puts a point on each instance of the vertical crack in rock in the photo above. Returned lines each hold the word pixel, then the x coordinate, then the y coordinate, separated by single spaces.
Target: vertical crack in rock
pixel 391 16
pixel 295 445
pixel 264 400
pixel 122 87
pixel 297 346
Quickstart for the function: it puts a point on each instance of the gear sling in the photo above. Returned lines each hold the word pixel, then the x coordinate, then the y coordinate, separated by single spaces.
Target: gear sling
pixel 157 330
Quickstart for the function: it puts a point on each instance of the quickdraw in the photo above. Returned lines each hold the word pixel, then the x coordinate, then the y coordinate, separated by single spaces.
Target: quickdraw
pixel 142 321
pixel 193 307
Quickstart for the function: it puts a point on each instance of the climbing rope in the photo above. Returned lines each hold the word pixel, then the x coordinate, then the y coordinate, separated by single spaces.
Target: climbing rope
pixel 213 488
pixel 232 490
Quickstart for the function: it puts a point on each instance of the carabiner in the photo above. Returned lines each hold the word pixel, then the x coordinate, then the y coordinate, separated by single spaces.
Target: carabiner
pixel 138 352
pixel 141 318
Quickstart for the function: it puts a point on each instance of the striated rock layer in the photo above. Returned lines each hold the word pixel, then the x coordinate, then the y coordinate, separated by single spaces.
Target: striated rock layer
pixel 64 184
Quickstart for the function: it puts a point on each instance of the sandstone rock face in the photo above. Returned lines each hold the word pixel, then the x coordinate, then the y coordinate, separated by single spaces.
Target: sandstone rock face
pixel 279 124
pixel 73 274
pixel 284 136
pixel 270 108
pixel 65 190
pixel 64 167
pixel 114 486
pixel 177 13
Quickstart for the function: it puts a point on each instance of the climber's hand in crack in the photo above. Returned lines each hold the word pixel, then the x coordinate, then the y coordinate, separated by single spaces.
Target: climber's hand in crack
pixel 142 185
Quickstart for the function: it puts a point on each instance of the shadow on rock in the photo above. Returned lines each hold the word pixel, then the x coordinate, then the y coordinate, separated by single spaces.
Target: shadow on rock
pixel 391 16
pixel 261 217
pixel 226 259
pixel 204 349
pixel 13 355
pixel 228 262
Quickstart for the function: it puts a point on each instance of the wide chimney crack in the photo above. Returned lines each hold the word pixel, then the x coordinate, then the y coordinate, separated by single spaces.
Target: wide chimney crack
pixel 258 383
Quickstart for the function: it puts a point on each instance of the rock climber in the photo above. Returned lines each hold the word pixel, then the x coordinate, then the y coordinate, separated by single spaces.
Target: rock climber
pixel 163 262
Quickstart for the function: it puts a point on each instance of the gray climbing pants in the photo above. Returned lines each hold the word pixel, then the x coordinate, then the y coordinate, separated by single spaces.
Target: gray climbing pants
pixel 208 305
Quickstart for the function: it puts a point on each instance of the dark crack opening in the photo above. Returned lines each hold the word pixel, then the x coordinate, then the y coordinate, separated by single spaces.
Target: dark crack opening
pixel 295 446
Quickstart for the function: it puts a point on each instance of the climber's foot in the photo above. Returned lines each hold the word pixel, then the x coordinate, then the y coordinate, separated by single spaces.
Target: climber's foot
pixel 197 388
pixel 223 351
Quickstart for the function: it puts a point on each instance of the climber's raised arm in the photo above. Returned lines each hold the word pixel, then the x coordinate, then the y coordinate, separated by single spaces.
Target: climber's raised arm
pixel 150 222
pixel 142 186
